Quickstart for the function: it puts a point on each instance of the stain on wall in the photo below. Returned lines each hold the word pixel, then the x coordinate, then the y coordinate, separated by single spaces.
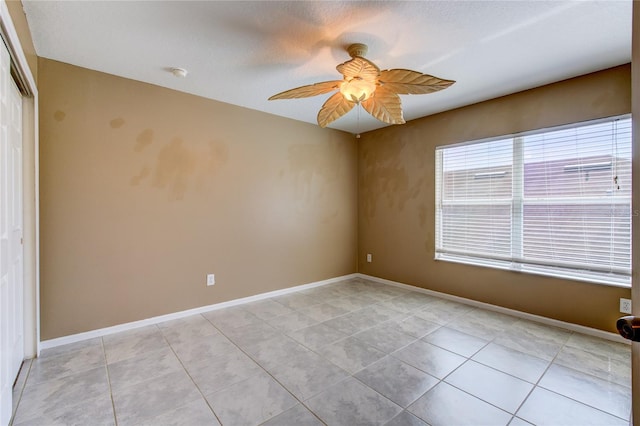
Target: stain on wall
pixel 422 215
pixel 314 175
pixel 310 163
pixel 384 169
pixel 214 159
pixel 144 139
pixel 174 166
pixel 116 123
pixel 180 166
pixel 140 176
pixel 134 217
pixel 217 157
pixel 59 115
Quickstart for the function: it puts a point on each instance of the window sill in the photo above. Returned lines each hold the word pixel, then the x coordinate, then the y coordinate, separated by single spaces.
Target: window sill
pixel 600 279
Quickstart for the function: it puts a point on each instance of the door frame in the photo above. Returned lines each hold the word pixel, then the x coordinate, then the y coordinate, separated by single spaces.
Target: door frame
pixel 30 173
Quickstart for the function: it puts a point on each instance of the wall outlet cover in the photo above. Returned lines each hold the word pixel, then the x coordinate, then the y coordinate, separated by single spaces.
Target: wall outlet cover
pixel 211 279
pixel 625 306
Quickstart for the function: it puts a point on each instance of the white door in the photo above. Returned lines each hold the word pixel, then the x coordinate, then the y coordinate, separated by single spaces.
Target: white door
pixel 11 257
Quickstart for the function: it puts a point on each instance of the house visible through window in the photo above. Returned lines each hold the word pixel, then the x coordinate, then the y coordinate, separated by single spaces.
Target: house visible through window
pixel 554 202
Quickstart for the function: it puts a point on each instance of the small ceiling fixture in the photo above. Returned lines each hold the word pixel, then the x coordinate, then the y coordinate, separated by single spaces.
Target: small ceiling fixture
pixel 363 83
pixel 179 72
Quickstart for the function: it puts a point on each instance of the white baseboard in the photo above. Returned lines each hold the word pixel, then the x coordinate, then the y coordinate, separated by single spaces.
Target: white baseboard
pixel 73 338
pixel 524 315
pixel 46 344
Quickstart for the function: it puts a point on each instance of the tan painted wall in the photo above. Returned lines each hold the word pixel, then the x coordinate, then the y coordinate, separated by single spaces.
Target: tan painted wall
pixel 24 34
pixel 145 190
pixel 397 198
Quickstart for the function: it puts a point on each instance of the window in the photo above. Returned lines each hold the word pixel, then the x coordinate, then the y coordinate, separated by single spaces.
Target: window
pixel 554 202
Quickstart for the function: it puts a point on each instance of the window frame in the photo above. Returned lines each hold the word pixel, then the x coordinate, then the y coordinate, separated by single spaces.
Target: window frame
pixel 516 261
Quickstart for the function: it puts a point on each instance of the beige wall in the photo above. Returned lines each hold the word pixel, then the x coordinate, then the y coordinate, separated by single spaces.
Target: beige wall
pixel 397 198
pixel 145 190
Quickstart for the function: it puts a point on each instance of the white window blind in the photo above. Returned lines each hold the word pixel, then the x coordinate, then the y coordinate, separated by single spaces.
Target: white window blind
pixel 554 202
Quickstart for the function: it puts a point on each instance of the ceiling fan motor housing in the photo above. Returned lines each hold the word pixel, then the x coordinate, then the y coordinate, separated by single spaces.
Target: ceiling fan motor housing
pixel 357 49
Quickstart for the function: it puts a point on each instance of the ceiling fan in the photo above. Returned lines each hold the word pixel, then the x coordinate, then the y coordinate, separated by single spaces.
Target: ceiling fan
pixel 363 83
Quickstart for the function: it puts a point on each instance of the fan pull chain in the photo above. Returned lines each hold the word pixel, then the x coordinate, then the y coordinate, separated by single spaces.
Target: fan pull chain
pixel 358 121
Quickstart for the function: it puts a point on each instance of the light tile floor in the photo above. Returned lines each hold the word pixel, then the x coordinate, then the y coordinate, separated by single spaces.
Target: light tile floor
pixel 351 353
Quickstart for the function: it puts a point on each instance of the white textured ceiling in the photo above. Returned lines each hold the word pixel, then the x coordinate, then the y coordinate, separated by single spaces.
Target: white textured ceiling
pixel 242 52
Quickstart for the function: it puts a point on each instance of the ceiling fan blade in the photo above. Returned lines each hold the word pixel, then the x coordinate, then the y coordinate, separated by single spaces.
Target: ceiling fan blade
pixel 385 106
pixel 335 107
pixel 407 82
pixel 308 91
pixel 359 67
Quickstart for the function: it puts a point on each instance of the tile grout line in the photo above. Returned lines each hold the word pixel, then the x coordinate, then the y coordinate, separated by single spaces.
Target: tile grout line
pixel 106 366
pixel 551 363
pixel 24 385
pixel 350 375
pixel 315 350
pixel 400 314
pixel 265 370
pixel 405 315
pixel 412 313
pixel 188 374
pixel 579 371
pixel 537 383
pixel 492 340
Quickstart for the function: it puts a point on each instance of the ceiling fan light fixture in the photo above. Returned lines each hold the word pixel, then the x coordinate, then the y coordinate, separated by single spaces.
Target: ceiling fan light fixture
pixel 357 89
pixel 361 79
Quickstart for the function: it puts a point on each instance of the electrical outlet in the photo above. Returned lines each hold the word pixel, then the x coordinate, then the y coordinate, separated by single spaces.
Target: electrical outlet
pixel 369 257
pixel 625 306
pixel 211 279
